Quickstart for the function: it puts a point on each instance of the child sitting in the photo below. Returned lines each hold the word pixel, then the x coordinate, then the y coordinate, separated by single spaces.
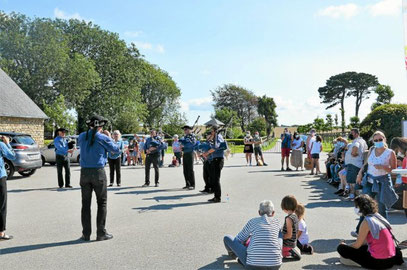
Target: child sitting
pixel 290 229
pixel 174 162
pixel 303 238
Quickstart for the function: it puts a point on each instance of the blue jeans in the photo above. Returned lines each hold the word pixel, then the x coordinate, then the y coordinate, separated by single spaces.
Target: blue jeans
pixel 235 246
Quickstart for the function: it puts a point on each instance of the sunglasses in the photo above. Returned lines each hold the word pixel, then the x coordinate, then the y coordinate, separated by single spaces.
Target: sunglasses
pixel 378 140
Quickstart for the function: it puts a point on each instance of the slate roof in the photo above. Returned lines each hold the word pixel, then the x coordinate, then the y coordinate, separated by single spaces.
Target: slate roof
pixel 14 102
pixel 214 122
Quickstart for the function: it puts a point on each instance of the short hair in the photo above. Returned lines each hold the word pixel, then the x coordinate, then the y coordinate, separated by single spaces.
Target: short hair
pixel 266 207
pixel 356 130
pixel 366 204
pixel 176 136
pixel 117 132
pixel 300 210
pixel 289 203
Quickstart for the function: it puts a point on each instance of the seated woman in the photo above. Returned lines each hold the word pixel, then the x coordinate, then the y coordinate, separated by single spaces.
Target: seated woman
pixel 264 248
pixel 380 251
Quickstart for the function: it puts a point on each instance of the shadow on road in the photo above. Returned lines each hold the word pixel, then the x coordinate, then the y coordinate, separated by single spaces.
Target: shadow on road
pixel 221 263
pixel 174 197
pixel 19 249
pixel 43 189
pixel 330 263
pixel 147 191
pixel 157 207
pixel 325 245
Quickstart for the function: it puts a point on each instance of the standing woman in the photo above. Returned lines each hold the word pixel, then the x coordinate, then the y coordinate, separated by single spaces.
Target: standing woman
pixel 131 150
pixel 176 148
pixel 297 148
pixel 248 148
pixel 5 152
pixel 316 149
pixel 377 183
pixel 114 159
pixel 62 159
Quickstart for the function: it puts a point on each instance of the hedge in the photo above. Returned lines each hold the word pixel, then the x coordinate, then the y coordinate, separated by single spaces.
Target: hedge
pixel 386 118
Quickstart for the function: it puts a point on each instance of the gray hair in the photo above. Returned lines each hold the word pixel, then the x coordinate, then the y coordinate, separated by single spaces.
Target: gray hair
pixel 266 207
pixel 117 132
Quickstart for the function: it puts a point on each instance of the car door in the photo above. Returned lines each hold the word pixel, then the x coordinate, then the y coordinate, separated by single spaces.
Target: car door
pixel 49 153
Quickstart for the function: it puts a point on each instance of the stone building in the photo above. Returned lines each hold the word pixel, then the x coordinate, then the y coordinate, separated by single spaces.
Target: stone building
pixel 18 113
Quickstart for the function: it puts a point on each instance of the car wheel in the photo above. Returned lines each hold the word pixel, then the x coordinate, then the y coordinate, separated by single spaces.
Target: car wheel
pixel 43 160
pixel 9 168
pixel 27 173
pixel 52 163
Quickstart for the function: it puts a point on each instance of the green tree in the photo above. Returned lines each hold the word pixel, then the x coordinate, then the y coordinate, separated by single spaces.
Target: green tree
pixel 386 118
pixel 173 124
pixel 384 96
pixel 319 124
pixel 335 91
pixel 59 116
pixel 258 124
pixel 362 84
pixel 336 120
pixel 266 107
pixel 225 115
pixel 237 99
pixel 354 122
pixel 329 122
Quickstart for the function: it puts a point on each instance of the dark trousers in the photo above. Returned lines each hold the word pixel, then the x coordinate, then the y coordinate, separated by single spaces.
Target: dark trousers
pixel 363 257
pixel 216 167
pixel 206 175
pixel 178 156
pixel 114 165
pixel 63 162
pixel 188 165
pixel 3 203
pixel 93 179
pixel 152 159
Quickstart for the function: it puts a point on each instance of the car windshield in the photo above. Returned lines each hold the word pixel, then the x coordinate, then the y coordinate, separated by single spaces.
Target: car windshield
pixel 27 140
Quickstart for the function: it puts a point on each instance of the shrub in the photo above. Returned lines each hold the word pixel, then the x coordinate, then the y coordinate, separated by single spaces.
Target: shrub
pixel 386 118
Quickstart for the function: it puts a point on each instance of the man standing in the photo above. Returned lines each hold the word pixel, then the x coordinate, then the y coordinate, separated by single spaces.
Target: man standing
pixel 286 140
pixel 218 146
pixel 258 141
pixel 62 158
pixel 152 148
pixel 354 159
pixel 5 152
pixel 94 148
pixel 202 148
pixel 188 143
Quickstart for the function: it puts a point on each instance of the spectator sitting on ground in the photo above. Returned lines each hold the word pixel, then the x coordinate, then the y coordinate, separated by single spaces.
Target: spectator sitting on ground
pixel 174 162
pixel 264 248
pixel 303 237
pixel 290 229
pixel 380 251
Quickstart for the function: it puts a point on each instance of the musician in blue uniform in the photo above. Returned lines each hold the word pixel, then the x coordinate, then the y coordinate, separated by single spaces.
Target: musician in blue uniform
pixel 188 144
pixel 62 152
pixel 216 153
pixel 202 148
pixel 94 147
pixel 152 149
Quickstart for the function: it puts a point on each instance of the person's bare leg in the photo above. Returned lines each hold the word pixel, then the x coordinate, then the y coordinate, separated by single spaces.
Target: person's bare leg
pixel 317 165
pixel 312 165
pixel 287 162
pixel 282 162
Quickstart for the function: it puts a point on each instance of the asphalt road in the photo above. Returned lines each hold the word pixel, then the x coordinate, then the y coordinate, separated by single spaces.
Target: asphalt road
pixel 167 227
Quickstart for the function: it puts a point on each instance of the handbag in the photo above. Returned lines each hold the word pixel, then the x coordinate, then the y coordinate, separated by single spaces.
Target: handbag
pixel 307 163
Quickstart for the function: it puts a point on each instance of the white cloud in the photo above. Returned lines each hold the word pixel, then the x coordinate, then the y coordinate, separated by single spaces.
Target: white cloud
pixel 133 34
pixel 385 8
pixel 342 11
pixel 60 14
pixel 196 104
pixel 143 45
pixel 160 48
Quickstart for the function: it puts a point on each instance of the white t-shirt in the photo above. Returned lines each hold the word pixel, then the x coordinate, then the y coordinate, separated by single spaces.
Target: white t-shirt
pixel 383 159
pixel 304 238
pixel 362 147
pixel 312 139
pixel 316 147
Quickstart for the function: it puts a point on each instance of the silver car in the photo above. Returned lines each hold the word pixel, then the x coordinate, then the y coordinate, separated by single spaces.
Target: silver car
pixel 48 153
pixel 28 156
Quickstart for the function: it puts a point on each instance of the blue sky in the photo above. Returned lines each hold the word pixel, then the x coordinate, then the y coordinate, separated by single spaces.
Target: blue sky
pixel 284 49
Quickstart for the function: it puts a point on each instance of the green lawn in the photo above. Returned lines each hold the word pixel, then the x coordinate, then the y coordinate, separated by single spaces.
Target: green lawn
pixel 327 147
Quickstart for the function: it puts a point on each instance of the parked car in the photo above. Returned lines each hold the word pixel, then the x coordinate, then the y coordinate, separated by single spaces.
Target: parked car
pixel 48 152
pixel 28 156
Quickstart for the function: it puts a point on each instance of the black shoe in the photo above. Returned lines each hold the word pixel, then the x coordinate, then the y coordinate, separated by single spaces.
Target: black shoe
pixel 104 237
pixel 339 192
pixel 288 169
pixel 232 255
pixel 111 185
pixel 282 169
pixel 214 200
pixel 186 187
pixel 191 188
pixel 265 164
pixel 61 186
pixel 204 191
pixel 85 238
pixel 146 185
pixel 119 185
pixel 156 185
pixel 68 186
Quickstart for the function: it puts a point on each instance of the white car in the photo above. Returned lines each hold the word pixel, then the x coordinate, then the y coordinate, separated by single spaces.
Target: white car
pixel 48 153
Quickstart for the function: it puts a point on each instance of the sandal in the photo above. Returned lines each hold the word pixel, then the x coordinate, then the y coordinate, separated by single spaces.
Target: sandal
pixel 6 237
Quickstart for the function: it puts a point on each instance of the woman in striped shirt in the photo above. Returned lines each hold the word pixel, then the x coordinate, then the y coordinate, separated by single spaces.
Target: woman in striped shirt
pixel 258 245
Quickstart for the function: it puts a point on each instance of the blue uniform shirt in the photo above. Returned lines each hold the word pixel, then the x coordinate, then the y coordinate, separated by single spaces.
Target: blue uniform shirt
pixel 61 146
pixel 153 142
pixel 220 146
pixel 95 156
pixel 188 142
pixel 5 152
pixel 120 144
pixel 205 147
